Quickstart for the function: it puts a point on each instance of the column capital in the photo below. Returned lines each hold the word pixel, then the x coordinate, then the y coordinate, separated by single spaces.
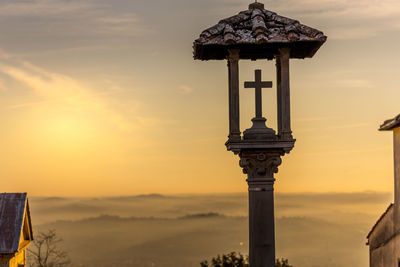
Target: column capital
pixel 260 165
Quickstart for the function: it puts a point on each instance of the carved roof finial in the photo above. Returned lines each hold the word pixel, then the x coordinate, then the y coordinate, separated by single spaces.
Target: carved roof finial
pixel 256 5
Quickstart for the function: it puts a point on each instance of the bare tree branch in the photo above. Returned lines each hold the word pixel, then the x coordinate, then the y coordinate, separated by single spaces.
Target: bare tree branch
pixel 46 252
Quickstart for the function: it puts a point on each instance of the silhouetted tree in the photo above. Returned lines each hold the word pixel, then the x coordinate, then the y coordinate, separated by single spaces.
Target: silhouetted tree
pixel 234 259
pixel 45 251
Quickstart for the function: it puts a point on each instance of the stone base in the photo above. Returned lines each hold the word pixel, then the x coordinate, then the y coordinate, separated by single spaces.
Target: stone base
pixel 259 131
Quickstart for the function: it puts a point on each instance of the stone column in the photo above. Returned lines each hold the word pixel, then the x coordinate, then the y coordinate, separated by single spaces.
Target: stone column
pixel 283 93
pixel 233 68
pixel 260 166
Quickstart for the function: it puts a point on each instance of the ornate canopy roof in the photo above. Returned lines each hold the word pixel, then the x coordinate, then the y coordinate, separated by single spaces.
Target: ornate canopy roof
pixel 258 33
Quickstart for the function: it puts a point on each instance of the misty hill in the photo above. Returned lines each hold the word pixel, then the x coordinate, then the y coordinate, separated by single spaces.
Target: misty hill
pixel 366 206
pixel 312 229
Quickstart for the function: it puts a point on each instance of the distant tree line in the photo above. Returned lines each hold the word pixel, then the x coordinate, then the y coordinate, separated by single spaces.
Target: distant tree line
pixel 234 259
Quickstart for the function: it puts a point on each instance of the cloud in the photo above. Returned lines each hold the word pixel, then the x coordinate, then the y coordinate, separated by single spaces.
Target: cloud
pixel 354 83
pixel 331 127
pixel 125 18
pixel 60 92
pixel 4 55
pixel 186 89
pixel 68 24
pixel 361 151
pixel 2 85
pixel 24 105
pixel 314 119
pixel 347 79
pixel 42 8
pixel 344 8
pixel 350 126
pixel 347 19
pixel 127 24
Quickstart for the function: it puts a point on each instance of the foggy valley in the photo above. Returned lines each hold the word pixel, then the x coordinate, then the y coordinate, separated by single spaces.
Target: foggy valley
pixel 182 230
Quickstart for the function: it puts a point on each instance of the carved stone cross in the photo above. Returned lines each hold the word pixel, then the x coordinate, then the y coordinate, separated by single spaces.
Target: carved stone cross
pixel 258 84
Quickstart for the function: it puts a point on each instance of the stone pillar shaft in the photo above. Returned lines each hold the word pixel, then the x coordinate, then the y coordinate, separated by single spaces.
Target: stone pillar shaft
pixel 233 68
pixel 283 93
pixel 261 224
pixel 260 167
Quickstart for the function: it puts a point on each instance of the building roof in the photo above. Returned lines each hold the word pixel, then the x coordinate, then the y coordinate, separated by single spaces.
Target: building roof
pixel 379 220
pixel 258 33
pixel 390 124
pixel 12 213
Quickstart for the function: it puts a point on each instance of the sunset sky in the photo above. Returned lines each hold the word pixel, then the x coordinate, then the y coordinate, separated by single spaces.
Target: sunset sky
pixel 103 98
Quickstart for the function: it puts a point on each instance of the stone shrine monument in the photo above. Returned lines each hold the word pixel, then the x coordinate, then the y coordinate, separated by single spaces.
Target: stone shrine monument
pixel 384 237
pixel 258 34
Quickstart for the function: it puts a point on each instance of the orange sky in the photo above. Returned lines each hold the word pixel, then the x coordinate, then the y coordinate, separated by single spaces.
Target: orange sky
pixel 105 99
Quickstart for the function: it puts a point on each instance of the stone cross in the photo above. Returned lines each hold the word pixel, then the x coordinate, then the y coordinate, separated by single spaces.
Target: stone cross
pixel 258 84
